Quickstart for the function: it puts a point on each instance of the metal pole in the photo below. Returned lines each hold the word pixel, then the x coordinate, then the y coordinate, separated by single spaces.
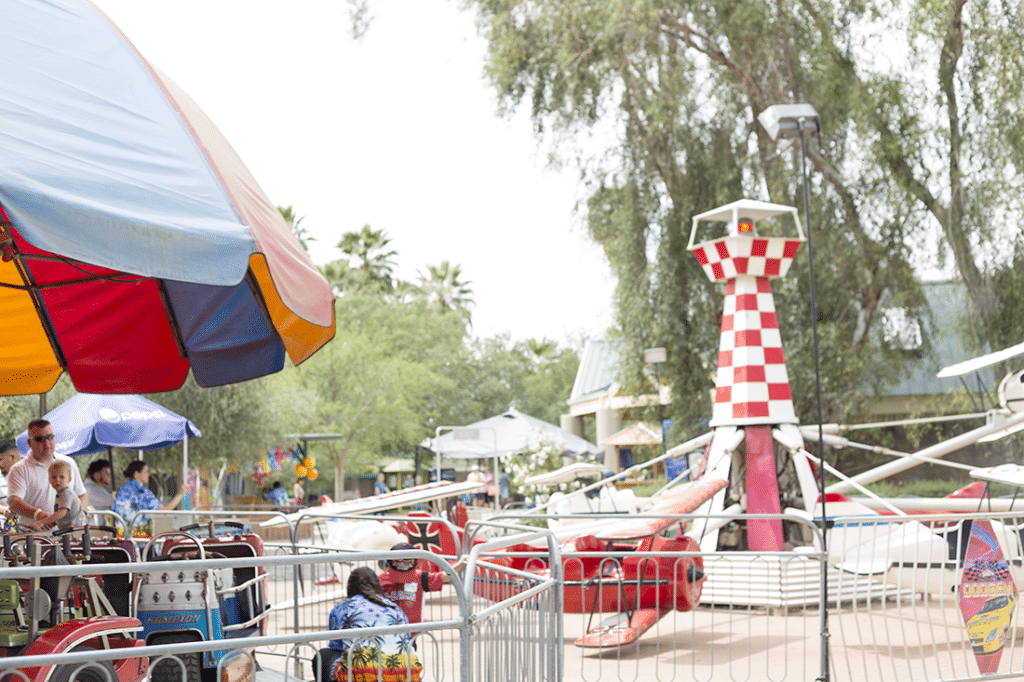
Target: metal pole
pixel 817 386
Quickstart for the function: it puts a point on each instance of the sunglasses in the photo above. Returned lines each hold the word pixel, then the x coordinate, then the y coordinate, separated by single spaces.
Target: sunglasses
pixel 41 439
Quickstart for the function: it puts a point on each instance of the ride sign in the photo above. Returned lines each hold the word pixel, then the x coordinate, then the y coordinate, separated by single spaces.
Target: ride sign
pixel 987 596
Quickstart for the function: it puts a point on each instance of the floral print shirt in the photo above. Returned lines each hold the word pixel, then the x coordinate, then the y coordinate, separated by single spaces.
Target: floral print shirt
pixel 391 655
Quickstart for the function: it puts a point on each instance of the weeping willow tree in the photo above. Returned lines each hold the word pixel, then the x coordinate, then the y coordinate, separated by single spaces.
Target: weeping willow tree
pixel 915 171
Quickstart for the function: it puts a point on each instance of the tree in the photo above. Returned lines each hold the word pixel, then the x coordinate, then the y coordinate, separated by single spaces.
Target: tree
pixel 369 265
pixel 503 373
pixel 681 85
pixel 384 382
pixel 445 292
pixel 238 422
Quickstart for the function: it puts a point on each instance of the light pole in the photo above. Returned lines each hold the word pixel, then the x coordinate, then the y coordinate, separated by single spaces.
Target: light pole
pixel 658 357
pixel 790 121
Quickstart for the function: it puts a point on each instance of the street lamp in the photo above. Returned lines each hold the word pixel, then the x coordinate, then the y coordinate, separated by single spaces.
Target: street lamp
pixel 789 121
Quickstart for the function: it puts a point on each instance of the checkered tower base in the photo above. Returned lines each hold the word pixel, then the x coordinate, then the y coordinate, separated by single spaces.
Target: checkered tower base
pixel 752 385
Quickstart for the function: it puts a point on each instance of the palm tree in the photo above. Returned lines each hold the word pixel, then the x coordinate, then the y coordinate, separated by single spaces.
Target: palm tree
pixel 444 292
pixel 542 349
pixel 369 257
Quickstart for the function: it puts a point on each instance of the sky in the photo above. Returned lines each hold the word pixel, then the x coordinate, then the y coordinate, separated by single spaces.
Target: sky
pixel 398 130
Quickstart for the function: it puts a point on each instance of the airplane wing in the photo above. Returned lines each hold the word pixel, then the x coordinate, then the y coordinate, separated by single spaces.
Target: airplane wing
pixel 419 494
pixel 1011 474
pixel 567 473
pixel 681 500
pixel 974 364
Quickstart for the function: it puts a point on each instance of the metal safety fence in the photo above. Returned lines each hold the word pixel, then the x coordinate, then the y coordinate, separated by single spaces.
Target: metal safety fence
pixel 48 620
pixel 924 598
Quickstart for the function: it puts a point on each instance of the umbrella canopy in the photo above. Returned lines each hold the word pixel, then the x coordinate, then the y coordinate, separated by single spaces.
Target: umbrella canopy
pixel 136 245
pixel 510 431
pixel 637 434
pixel 91 423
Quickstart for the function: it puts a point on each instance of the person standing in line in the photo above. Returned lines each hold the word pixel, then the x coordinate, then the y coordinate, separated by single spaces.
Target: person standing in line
pixel 490 490
pixel 299 492
pixel 476 477
pixel 380 487
pixel 504 486
pixel 30 493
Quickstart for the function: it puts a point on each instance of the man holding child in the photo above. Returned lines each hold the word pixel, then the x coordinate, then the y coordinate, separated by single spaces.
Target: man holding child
pixel 30 494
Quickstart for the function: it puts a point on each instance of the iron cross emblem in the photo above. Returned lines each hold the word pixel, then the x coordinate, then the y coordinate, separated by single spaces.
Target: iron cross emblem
pixel 424 540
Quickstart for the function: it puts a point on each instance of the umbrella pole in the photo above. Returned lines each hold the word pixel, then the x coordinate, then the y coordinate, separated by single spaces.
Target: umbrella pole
pixel 187 504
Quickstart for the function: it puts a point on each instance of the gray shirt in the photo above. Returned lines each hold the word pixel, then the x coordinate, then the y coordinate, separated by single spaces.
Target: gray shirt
pixel 99 497
pixel 66 499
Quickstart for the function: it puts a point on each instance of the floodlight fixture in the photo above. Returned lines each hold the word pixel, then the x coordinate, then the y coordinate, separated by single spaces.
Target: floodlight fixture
pixel 783 121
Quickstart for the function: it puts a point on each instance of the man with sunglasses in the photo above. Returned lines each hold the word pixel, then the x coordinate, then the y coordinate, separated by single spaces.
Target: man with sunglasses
pixel 30 494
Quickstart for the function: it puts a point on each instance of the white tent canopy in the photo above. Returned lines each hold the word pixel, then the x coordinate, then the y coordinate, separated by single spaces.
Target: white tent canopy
pixel 505 433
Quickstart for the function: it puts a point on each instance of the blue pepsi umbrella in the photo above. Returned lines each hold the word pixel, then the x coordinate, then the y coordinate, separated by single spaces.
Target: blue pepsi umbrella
pixel 89 423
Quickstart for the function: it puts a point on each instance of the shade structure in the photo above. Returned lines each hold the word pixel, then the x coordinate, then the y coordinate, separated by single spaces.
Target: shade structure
pixel 89 423
pixel 510 431
pixel 142 245
pixel 637 434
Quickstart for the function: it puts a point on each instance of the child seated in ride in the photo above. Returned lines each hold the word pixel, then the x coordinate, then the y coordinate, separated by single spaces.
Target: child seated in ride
pixel 68 507
pixel 389 655
pixel 405 584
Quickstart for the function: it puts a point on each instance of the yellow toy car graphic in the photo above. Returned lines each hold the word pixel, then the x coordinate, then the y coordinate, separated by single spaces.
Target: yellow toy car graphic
pixel 987 628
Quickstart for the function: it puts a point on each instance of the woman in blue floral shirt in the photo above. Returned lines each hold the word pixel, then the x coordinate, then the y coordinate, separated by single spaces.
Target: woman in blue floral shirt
pixel 378 658
pixel 135 496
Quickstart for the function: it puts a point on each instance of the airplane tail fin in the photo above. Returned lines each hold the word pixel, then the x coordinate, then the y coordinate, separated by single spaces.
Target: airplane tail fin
pixel 971 491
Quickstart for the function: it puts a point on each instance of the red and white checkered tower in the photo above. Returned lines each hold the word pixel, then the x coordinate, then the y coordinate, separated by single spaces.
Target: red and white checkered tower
pixel 751 384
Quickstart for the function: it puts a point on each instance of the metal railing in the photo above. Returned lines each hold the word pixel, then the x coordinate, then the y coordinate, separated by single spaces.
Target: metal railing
pixel 893 611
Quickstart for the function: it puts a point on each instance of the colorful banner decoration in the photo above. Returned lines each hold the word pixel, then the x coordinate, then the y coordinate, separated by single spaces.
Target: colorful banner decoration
pixel 987 596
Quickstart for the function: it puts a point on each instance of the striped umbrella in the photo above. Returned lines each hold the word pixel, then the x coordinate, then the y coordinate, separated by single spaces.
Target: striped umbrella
pixel 135 244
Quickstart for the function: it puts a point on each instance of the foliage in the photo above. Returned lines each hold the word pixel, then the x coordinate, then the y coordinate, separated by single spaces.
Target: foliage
pixel 238 421
pixel 369 266
pixel 444 292
pixel 929 487
pixel 918 148
pixel 501 373
pixel 399 366
pixel 543 453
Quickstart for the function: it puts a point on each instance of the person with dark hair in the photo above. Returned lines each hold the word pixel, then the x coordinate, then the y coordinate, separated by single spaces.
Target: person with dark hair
pixel 277 495
pixel 31 495
pixel 406 585
pixel 97 485
pixel 135 496
pixel 372 659
pixel 9 454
